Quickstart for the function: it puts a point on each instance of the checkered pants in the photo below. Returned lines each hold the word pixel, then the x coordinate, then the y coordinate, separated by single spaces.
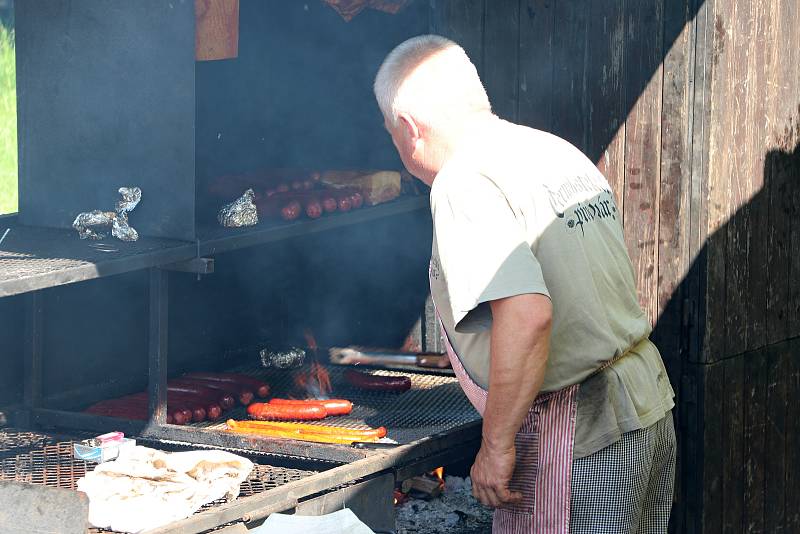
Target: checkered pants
pixel 626 488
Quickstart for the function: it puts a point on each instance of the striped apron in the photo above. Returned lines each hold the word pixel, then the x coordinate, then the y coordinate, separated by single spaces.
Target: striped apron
pixel 543 457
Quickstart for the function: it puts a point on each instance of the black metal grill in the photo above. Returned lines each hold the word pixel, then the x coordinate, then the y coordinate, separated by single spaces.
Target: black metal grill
pixel 435 403
pixel 53 465
pixel 35 258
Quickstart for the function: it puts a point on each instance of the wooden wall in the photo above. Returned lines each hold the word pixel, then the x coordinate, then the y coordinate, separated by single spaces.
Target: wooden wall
pixel 751 211
pixel 691 108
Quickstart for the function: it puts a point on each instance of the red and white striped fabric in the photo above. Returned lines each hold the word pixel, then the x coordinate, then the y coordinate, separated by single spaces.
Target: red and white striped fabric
pixel 543 471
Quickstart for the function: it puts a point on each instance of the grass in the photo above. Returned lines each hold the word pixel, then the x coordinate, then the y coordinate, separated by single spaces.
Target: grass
pixel 8 123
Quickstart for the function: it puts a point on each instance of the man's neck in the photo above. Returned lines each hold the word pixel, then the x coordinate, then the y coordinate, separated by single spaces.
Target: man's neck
pixel 449 143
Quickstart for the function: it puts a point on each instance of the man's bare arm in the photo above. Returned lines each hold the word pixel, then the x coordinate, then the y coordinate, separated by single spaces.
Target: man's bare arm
pixel 520 344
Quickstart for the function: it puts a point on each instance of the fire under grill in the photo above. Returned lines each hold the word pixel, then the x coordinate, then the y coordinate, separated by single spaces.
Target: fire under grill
pixel 434 404
pixel 48 462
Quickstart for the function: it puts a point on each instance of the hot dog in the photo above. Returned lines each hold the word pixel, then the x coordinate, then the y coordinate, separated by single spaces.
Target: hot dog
pixel 260 388
pixel 315 429
pixel 332 406
pixel 312 203
pixel 377 382
pixel 242 393
pixel 130 409
pixel 320 434
pixel 201 392
pixel 195 407
pixel 283 412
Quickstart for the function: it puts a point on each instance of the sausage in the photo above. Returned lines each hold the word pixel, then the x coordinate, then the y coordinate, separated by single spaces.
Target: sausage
pixel 343 202
pixel 242 394
pixel 314 209
pixel 202 392
pixel 135 410
pixel 379 432
pixel 321 433
pixel 377 382
pixel 191 405
pixel 260 388
pixel 265 411
pixel 332 406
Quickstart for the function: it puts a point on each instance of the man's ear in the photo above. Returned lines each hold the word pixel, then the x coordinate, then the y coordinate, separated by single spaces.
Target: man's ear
pixel 410 126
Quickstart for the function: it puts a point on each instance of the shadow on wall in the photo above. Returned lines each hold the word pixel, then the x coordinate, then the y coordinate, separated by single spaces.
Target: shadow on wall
pixel 723 335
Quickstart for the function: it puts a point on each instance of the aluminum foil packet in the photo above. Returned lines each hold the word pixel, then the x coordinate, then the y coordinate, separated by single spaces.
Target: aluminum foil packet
pixel 283 359
pixel 240 212
pixel 86 223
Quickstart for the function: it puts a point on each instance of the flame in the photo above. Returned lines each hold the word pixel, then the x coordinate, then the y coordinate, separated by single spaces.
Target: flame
pixel 315 382
pixel 438 473
pixel 310 341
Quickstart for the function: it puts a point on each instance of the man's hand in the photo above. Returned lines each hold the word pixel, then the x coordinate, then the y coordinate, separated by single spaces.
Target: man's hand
pixel 491 474
pixel 520 341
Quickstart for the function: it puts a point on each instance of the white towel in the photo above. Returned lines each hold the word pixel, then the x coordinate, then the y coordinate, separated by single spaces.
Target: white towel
pixel 146 488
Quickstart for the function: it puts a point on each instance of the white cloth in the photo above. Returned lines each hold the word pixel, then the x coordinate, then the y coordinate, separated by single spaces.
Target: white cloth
pixel 146 488
pixel 340 522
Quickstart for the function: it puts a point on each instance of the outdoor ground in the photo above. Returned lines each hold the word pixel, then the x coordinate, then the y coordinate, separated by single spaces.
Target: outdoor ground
pixel 8 123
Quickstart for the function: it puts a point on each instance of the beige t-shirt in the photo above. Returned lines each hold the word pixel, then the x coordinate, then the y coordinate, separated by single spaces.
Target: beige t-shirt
pixel 518 211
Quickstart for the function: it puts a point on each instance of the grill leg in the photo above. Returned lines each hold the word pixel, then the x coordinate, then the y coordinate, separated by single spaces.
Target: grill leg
pixel 157 348
pixel 34 340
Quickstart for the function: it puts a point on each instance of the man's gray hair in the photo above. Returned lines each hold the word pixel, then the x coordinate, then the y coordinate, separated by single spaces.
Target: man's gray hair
pixel 431 78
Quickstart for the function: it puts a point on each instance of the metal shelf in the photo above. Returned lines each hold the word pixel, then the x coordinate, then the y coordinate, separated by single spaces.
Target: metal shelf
pixel 33 258
pixel 216 239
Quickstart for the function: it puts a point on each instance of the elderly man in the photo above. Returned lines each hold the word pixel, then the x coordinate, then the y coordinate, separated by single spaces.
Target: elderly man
pixel 537 301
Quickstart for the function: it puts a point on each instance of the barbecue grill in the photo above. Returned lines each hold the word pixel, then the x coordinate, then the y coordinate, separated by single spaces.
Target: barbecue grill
pixel 109 96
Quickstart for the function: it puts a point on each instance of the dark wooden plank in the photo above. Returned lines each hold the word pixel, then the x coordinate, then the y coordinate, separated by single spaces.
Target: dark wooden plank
pixel 501 56
pixel 775 438
pixel 710 192
pixel 735 171
pixel 754 439
pixel 673 208
pixel 782 168
pixel 604 71
pixel 536 27
pixel 570 110
pixel 712 508
pixel 643 85
pixel 759 44
pixel 699 337
pixel 793 437
pixel 461 21
pixel 733 451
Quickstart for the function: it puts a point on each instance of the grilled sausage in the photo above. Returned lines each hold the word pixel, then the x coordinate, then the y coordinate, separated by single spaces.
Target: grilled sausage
pixel 242 393
pixel 260 388
pixel 377 382
pixel 332 406
pixel 204 393
pixel 283 412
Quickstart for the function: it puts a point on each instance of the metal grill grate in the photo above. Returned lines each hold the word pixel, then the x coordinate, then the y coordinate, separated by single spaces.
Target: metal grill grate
pixel 13 441
pixel 53 465
pixel 435 403
pixel 33 258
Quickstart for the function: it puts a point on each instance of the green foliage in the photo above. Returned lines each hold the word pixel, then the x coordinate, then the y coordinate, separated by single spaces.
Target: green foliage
pixel 8 123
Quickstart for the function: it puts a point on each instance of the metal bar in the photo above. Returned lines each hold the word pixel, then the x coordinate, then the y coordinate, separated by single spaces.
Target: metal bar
pixel 34 341
pixel 157 349
pixel 194 265
pixel 44 418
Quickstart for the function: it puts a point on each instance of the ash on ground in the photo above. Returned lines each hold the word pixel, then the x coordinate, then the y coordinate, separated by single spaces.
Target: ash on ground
pixel 455 510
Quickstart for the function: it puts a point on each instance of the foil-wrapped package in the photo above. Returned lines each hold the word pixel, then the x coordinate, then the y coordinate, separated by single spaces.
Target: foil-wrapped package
pixel 130 198
pixel 283 359
pixel 86 223
pixel 240 212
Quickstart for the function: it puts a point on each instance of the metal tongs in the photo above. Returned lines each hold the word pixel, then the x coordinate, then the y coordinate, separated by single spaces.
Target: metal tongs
pixel 359 355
